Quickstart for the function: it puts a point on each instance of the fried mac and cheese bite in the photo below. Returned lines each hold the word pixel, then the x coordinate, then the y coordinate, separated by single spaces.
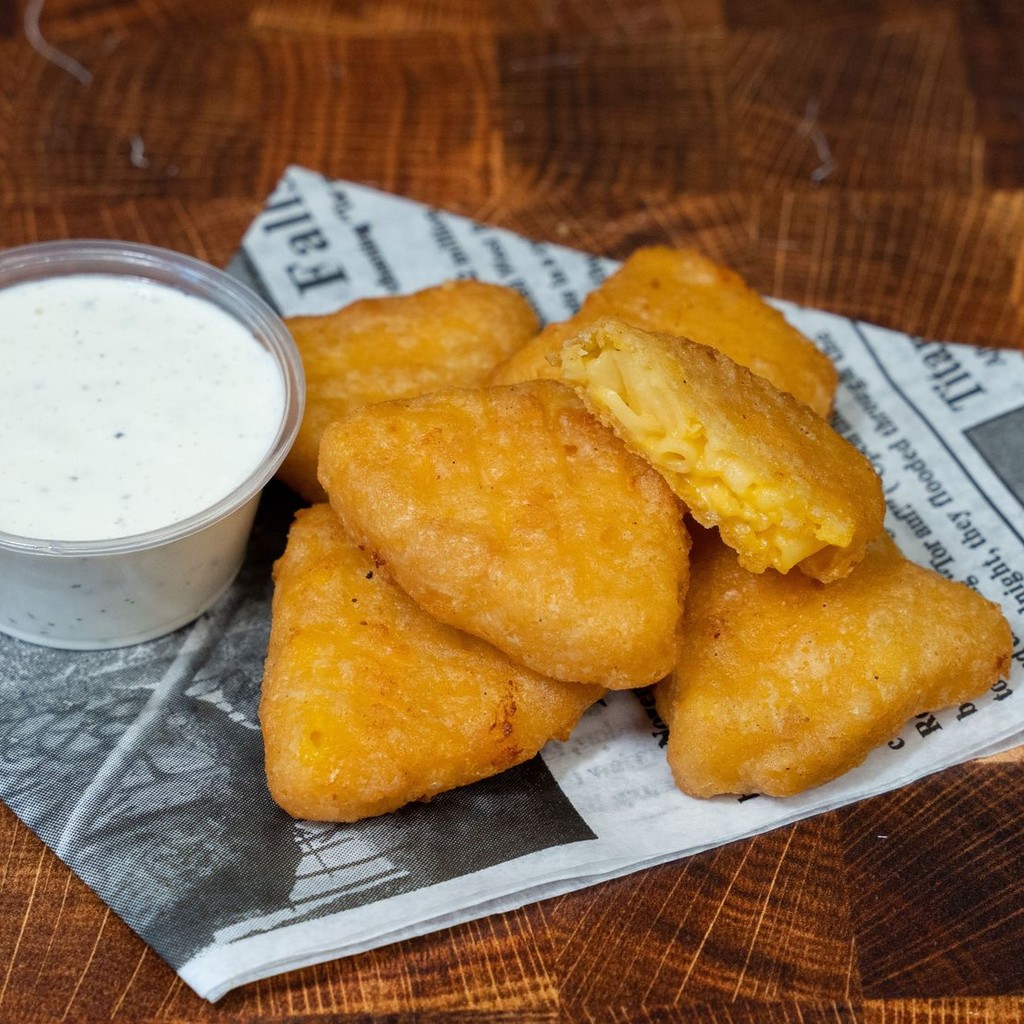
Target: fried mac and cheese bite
pixel 369 703
pixel 783 488
pixel 785 683
pixel 681 292
pixel 513 514
pixel 394 347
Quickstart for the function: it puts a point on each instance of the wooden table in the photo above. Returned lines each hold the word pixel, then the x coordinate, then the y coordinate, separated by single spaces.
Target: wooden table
pixel 865 157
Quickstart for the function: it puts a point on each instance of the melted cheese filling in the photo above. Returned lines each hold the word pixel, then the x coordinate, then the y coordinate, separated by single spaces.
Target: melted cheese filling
pixel 719 487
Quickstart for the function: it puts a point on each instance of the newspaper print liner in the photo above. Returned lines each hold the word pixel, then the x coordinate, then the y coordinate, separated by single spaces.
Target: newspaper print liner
pixel 142 767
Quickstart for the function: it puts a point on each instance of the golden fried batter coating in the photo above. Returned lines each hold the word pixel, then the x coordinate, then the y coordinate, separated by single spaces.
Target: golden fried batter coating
pixel 396 347
pixel 781 485
pixel 513 514
pixel 681 292
pixel 785 683
pixel 369 703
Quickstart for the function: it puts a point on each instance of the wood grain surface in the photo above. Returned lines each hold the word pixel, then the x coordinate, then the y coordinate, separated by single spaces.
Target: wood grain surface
pixel 865 157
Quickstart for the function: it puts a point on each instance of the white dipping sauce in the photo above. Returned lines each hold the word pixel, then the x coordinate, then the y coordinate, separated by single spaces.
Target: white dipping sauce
pixel 125 406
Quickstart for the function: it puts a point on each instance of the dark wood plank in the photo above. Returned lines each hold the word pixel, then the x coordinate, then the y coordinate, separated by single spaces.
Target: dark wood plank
pixel 883 107
pixel 757 922
pixel 63 21
pixel 210 230
pixel 796 15
pixel 935 263
pixel 490 17
pixel 865 157
pixel 724 1012
pixel 938 870
pixel 948 1011
pixel 603 114
pixel 993 36
pixel 222 115
pixel 653 116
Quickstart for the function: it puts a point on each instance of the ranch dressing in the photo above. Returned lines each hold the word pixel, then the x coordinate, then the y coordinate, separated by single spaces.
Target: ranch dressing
pixel 126 405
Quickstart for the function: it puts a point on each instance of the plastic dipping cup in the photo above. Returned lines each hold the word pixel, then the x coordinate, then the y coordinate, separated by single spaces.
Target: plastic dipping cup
pixel 116 590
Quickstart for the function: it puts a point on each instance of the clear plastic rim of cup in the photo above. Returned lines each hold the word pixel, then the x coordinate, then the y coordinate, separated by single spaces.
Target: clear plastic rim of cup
pixel 165 266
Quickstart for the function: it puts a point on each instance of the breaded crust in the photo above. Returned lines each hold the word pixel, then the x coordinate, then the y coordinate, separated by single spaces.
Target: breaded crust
pixel 395 347
pixel 513 514
pixel 785 683
pixel 781 485
pixel 681 292
pixel 369 703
